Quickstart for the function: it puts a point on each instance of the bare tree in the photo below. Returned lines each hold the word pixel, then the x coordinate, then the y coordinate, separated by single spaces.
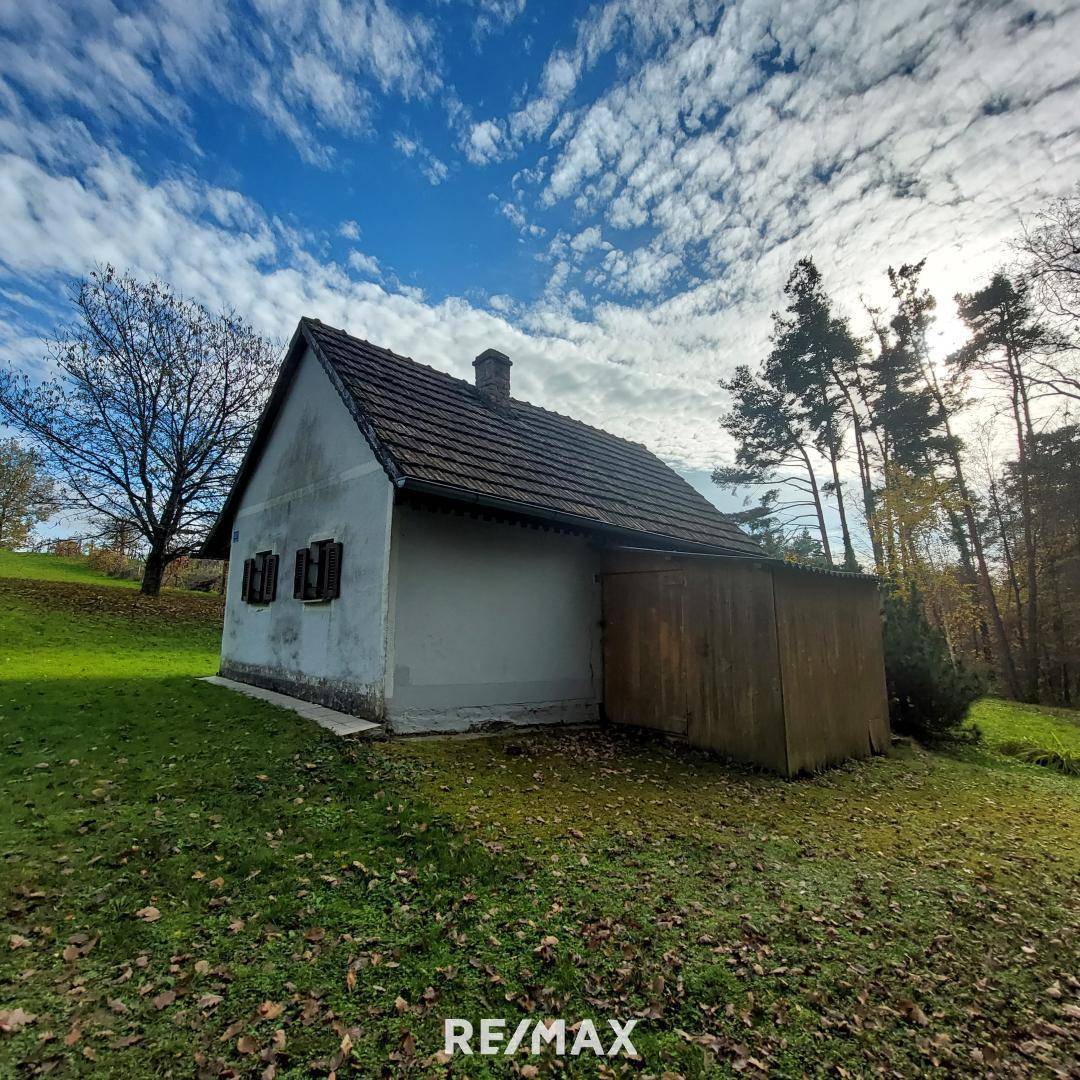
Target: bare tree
pixel 27 493
pixel 1049 252
pixel 153 403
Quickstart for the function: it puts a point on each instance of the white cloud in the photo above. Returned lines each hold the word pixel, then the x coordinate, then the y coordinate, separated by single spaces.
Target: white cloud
pixel 283 59
pixel 877 132
pixel 57 225
pixel 367 265
pixel 482 142
pixel 494 16
pixel 587 240
pixel 516 216
pixel 349 229
pixel 431 167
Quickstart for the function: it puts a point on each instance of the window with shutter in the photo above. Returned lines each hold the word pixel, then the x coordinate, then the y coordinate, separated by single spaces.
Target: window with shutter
pixel 317 573
pixel 255 584
pixel 269 591
pixel 332 578
pixel 300 573
pixel 260 578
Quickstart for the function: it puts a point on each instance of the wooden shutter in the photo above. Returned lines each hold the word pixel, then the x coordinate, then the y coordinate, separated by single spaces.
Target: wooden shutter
pixel 300 574
pixel 247 580
pixel 332 554
pixel 269 583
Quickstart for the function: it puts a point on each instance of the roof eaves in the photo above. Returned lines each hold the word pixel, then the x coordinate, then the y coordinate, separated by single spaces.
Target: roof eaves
pixel 781 564
pixel 456 494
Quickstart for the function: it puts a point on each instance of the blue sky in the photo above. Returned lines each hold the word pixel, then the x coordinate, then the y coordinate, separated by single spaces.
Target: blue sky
pixel 612 193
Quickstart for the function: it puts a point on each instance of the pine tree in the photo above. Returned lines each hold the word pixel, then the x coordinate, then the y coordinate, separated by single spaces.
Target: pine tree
pixel 1006 334
pixel 816 358
pixel 773 441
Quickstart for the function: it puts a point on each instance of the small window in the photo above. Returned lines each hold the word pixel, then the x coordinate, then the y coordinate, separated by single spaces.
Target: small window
pixel 317 573
pixel 260 578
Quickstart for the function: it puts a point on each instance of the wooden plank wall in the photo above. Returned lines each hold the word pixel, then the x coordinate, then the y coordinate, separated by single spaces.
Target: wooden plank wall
pixel 736 700
pixel 646 676
pixel 833 668
pixel 769 665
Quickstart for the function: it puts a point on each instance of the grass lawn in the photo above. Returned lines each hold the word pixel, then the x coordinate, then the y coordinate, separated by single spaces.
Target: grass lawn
pixel 195 883
pixel 1004 722
pixel 21 564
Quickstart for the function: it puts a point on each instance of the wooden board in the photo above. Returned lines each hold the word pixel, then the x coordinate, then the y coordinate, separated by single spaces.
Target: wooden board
pixel 645 676
pixel 832 665
pixel 736 706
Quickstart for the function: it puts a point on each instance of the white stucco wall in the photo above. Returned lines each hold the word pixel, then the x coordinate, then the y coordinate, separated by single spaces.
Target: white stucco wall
pixel 490 623
pixel 317 479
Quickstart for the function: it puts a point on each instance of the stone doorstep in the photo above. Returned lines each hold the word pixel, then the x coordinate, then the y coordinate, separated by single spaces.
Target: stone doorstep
pixel 338 722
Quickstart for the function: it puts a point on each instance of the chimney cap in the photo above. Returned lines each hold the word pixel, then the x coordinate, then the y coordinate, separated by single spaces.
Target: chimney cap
pixel 492 355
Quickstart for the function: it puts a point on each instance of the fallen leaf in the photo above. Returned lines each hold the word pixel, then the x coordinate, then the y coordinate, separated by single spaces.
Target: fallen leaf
pixel 164 999
pixel 913 1013
pixel 15 1019
pixel 148 914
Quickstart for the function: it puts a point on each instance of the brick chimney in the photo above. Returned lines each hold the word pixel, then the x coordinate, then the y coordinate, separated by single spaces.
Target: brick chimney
pixel 493 377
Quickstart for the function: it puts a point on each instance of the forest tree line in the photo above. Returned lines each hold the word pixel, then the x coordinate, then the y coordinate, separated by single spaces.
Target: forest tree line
pixel 957 478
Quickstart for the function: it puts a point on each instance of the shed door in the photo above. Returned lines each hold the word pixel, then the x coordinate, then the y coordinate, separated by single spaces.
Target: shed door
pixel 645 646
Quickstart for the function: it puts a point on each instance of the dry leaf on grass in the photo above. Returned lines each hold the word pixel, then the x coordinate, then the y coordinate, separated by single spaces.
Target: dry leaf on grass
pixel 12 1020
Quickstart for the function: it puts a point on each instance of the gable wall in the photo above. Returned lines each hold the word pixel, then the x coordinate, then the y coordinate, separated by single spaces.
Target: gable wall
pixel 491 622
pixel 317 479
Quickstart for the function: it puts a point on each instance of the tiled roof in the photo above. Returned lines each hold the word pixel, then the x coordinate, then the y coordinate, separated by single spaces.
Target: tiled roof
pixel 430 427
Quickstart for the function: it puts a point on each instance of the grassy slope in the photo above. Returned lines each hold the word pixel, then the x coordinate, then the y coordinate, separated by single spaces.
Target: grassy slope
pixel 795 924
pixel 1006 721
pixel 18 564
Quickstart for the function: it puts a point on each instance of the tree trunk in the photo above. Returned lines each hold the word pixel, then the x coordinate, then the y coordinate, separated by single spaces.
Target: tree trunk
pixel 980 634
pixel 849 552
pixel 1010 565
pixel 816 494
pixel 153 571
pixel 862 456
pixel 1001 641
pixel 1058 624
pixel 1031 572
pixel 1026 446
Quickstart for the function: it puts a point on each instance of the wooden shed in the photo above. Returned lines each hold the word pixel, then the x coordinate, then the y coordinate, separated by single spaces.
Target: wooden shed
pixel 761 661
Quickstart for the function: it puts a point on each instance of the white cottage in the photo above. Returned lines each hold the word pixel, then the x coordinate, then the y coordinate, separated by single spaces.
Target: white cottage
pixel 425 552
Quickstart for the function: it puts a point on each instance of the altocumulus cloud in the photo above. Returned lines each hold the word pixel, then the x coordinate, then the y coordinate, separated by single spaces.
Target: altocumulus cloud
pixel 668 198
